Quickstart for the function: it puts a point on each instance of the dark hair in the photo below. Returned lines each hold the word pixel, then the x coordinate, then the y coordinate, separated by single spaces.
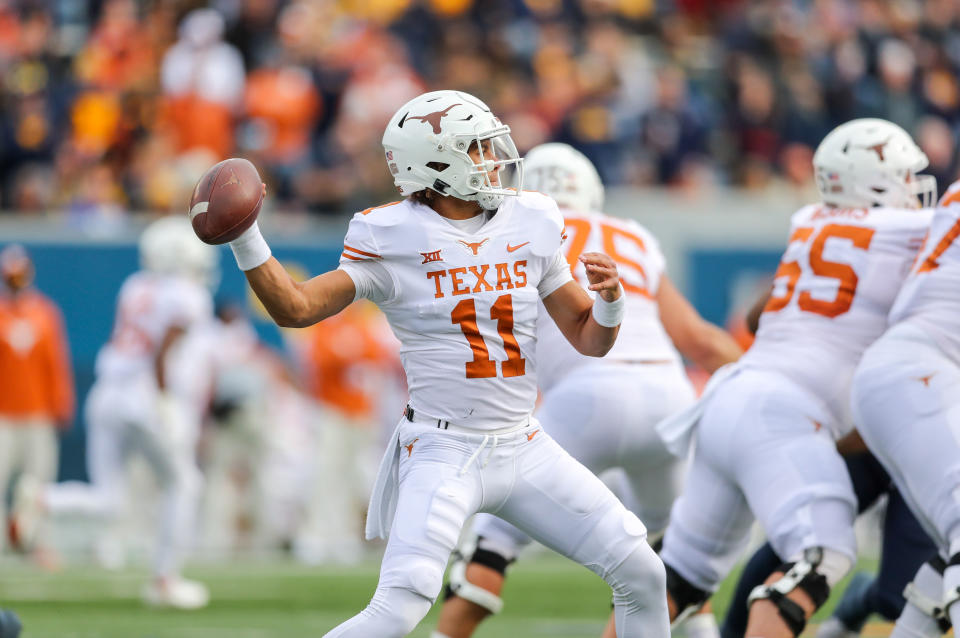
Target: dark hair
pixel 425 196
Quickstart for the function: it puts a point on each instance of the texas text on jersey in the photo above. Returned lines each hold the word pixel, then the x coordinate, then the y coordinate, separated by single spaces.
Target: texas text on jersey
pixel 463 305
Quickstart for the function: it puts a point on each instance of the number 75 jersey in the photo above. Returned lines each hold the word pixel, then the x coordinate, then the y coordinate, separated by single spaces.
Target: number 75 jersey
pixel 930 298
pixel 462 303
pixel 832 292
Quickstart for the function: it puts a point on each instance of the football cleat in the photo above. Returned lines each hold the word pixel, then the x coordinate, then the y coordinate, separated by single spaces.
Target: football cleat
pixel 176 593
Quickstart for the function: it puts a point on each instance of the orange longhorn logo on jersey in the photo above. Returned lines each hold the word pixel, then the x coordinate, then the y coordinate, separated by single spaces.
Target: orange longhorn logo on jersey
pixel 433 119
pixel 430 256
pixel 410 447
pixel 474 246
pixel 925 380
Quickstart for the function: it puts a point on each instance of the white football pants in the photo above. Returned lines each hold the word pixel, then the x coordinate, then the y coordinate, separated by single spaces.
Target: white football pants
pixel 604 415
pixel 526 478
pixel 123 420
pixel 760 451
pixel 906 401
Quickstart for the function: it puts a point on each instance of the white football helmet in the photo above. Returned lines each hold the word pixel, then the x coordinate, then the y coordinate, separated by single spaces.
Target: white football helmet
pixel 169 246
pixel 565 174
pixel 872 162
pixel 427 142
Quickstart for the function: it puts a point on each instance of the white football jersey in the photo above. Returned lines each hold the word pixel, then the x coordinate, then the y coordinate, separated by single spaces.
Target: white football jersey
pixel 147 306
pixel 463 304
pixel 930 298
pixel 832 292
pixel 641 265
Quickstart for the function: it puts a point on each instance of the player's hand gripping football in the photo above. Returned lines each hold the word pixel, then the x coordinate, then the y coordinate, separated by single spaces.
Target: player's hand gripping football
pixel 602 274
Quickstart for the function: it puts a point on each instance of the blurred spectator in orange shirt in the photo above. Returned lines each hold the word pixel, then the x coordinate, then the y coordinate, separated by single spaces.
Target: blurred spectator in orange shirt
pixel 37 394
pixel 118 55
pixel 351 364
pixel 282 107
pixel 203 82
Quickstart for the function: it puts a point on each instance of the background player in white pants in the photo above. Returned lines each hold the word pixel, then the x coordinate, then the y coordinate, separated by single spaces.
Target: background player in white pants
pixel 131 408
pixel 602 411
pixel 906 400
pixel 767 427
pixel 459 268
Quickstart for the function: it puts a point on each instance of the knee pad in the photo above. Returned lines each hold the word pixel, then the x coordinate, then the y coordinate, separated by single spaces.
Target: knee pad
pixel 458 585
pixel 393 611
pixel 932 607
pixel 421 575
pixel 640 579
pixel 814 573
pixel 687 597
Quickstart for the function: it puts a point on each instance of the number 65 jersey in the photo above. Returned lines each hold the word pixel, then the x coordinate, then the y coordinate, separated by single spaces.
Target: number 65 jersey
pixel 831 296
pixel 463 303
pixel 930 298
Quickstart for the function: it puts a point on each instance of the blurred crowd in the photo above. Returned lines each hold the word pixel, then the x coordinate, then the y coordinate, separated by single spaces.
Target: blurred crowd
pixel 111 106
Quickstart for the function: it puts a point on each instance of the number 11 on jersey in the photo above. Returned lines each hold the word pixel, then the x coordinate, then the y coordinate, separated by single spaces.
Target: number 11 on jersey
pixel 482 366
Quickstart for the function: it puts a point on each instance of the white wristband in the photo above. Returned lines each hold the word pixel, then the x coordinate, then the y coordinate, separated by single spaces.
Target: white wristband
pixel 609 314
pixel 250 249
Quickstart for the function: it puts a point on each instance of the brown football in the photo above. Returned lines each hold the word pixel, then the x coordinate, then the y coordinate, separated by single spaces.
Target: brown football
pixel 226 201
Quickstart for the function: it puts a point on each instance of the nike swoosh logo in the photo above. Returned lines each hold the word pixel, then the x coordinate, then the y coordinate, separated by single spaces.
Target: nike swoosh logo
pixel 510 248
pixel 531 435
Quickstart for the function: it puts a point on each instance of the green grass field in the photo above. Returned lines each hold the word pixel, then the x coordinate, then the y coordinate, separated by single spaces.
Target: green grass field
pixel 546 596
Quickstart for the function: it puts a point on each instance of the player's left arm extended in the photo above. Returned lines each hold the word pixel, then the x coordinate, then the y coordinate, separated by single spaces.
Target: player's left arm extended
pixel 573 311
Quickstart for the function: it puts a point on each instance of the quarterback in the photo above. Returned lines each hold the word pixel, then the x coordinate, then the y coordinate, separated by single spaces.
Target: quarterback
pixel 603 411
pixel 766 426
pixel 459 268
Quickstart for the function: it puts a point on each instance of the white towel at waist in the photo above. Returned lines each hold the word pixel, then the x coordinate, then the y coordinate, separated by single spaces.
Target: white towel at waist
pixel 676 431
pixel 383 499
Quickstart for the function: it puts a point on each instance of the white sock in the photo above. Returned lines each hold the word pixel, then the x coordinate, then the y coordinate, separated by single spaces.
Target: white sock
pixel 913 622
pixel 701 626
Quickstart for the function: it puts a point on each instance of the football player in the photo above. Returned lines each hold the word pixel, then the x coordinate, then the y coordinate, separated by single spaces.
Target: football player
pixel 602 411
pixel 459 268
pixel 766 426
pixel 131 408
pixel 907 407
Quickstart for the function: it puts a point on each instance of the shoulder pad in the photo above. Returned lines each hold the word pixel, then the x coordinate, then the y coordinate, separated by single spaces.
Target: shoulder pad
pixel 546 222
pixel 803 215
pixel 385 215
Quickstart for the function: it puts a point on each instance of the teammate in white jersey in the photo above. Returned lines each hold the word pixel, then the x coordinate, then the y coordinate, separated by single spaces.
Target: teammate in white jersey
pixel 766 426
pixel 131 408
pixel 459 268
pixel 906 402
pixel 602 411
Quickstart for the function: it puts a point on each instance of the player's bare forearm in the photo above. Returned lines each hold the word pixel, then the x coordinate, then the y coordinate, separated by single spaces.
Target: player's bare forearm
pixel 160 358
pixel 714 348
pixel 707 345
pixel 294 304
pixel 572 309
pixel 753 315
